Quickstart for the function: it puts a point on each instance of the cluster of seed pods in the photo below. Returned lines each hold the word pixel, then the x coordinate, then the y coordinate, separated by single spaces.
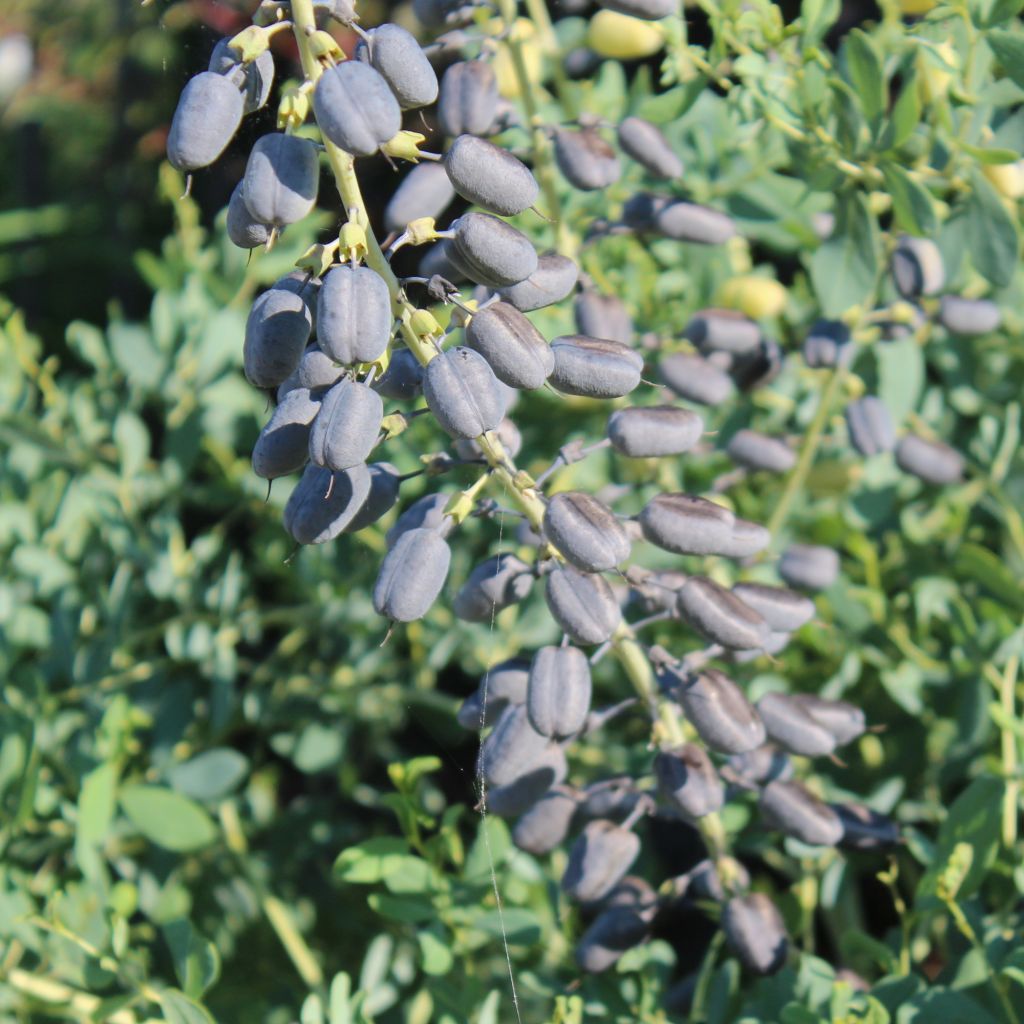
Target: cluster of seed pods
pixel 339 337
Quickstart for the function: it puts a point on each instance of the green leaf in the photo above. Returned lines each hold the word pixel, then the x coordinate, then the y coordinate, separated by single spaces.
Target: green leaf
pixel 866 73
pixel 96 803
pixel 408 909
pixel 435 955
pixel 906 112
pixel 911 202
pixel 845 267
pixel 167 818
pixel 1003 10
pixel 210 775
pixel 991 156
pixel 817 17
pixel 992 237
pixel 988 570
pixel 1009 50
pixel 367 863
pixel 179 1009
pixel 196 960
pixel 901 372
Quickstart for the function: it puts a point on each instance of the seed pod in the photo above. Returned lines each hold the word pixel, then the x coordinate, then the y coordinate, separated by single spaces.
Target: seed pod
pixel 754 929
pixel 490 176
pixel 283 444
pixel 614 798
pixel 720 712
pixel 688 222
pixel 695 379
pixel 513 748
pixel 462 392
pixel 585 531
pixel 784 610
pixel 930 461
pixel 640 210
pixel 340 10
pixel 516 351
pixel 703 882
pixel 686 524
pixel 558 697
pixel 843 720
pixel 311 517
pixel 969 317
pixel 719 616
pixel 870 426
pixel 603 316
pixel 258 74
pixel 688 780
pixel 656 592
pixel 554 278
pixel 403 379
pixel 865 829
pixel 828 345
pixel 761 766
pixel 508 434
pixel 594 367
pixel 411 576
pixel 809 565
pixel 492 252
pixel 243 228
pixel 793 809
pixel 347 426
pixel 493 585
pixel 396 55
pixel 385 481
pixel 586 160
pixel 427 514
pixel 654 430
pixel 722 330
pixel 519 795
pixel 356 108
pixel 582 604
pixel 645 143
pixel 281 179
pixel 598 859
pixel 755 451
pixel 276 333
pixel 917 267
pixel 746 539
pixel 789 724
pixel 775 644
pixel 468 101
pixel 647 10
pixel 611 934
pixel 545 826
pixel 354 315
pixel 205 121
pixel 500 686
pixel 425 191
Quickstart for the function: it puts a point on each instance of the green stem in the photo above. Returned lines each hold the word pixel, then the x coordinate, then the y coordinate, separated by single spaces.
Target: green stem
pixel 1009 751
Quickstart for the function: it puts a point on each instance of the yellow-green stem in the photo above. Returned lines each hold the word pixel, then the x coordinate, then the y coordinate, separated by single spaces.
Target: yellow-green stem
pixel 1011 797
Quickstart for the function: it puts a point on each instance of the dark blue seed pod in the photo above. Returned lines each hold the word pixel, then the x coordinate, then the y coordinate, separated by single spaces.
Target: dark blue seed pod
pixel 518 796
pixel 720 712
pixel 827 345
pixel 558 695
pixel 784 610
pixel 205 121
pixel 756 451
pixel 695 379
pixel 411 576
pixel 720 616
pixel 354 315
pixel 283 444
pixel 587 161
pixel 794 810
pixel 760 766
pixel 582 604
pixel 722 330
pixel 468 101
pixel 545 826
pixel 276 333
pixel 385 481
pixel 258 75
pixel 686 524
pixel 845 721
pixel 554 279
pixel 355 108
pixel 490 176
pixel 603 316
pixel 969 317
pixel 595 367
pixel 426 513
pixel 645 143
pixel 517 352
pixel 514 747
pixel 754 929
pixel 319 508
pixel 870 426
pixel 585 531
pixel 281 179
pixel 500 686
pixel 865 829
pixel 492 252
pixel 809 566
pixel 598 860
pixel 463 393
pixel 931 461
pixel 790 725
pixel 243 228
pixel 347 426
pixel 917 267
pixel 397 56
pixel 688 780
pixel 425 191
pixel 492 586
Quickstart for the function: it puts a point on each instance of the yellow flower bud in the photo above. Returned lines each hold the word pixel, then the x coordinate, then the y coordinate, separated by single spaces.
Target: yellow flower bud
pixel 754 296
pixel 1007 179
pixel 933 79
pixel 623 38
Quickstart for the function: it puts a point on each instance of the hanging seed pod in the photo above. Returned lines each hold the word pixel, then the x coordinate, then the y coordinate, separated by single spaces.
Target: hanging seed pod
pixel 688 222
pixel 514 747
pixel 793 809
pixel 917 267
pixel 695 379
pixel 258 75
pixel 719 616
pixel 500 686
pixel 585 531
pixel 654 430
pixel 468 101
pixel 754 929
pixel 492 252
pixel 722 330
pixel 205 121
pixel 688 780
pixel 425 514
pixel 316 369
pixel 319 508
pixel 870 426
pixel 518 796
pixel 411 576
pixel 756 451
pixel 425 191
pixel 587 161
pixel 403 379
pixel 463 393
pixel 866 830
pixel 745 539
pixel 385 481
pixel 641 209
pixel 645 143
pixel 545 826
pixel 283 444
pixel 603 316
pixel 969 317
pixel 582 604
pixel 686 524
pixel 611 934
pixel 784 610
pixel 516 351
pixel 656 592
pixel 598 859
pixel 843 720
pixel 760 766
pixel 614 799
pixel 809 565
pixel 347 426
pixel 790 725
pixel 492 586
pixel 558 696
pixel 757 369
pixel 930 461
pixel 720 712
pixel 647 10
pixel 276 333
pixel 395 54
pixel 355 108
pixel 828 345
pixel 354 315
pixel 554 279
pixel 490 176
pixel 775 644
pixel 703 881
pixel 243 228
pixel 594 367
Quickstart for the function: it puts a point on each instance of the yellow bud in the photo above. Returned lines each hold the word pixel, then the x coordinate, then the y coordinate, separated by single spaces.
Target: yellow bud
pixel 756 297
pixel 323 44
pixel 352 239
pixel 421 230
pixel 424 323
pixel 933 78
pixel 293 109
pixel 623 38
pixel 404 146
pixel 1007 179
pixel 250 43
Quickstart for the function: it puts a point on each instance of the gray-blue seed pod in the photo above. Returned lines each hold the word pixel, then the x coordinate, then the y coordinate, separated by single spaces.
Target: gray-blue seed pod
pixel 355 108
pixel 347 425
pixel 554 278
pixel 463 393
pixel 311 517
pixel 283 444
pixel 205 121
pixel 595 367
pixel 559 691
pixel 354 315
pixel 411 576
pixel 468 100
pixel 397 55
pixel 490 176
pixel 281 179
pixel 586 531
pixel 582 604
